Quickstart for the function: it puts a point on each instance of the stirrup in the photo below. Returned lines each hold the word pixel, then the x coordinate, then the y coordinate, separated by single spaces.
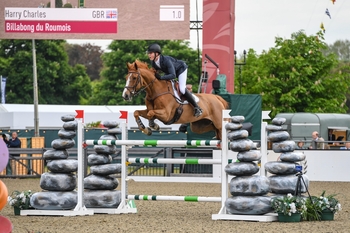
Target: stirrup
pixel 197 112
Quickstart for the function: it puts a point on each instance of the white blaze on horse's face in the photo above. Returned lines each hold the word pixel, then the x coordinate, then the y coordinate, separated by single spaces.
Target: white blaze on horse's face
pixel 126 93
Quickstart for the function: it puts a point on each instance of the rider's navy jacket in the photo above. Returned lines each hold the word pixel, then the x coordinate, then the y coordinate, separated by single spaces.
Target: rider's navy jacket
pixel 171 67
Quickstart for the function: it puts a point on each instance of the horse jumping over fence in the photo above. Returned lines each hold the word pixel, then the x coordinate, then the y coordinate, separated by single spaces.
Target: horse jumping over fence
pixel 161 102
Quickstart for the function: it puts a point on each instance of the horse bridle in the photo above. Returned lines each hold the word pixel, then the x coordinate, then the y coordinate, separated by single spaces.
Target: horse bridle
pixel 135 92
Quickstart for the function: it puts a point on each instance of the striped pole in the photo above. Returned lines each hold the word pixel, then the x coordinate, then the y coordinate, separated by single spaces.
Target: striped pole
pixel 175 161
pixel 154 143
pixel 173 198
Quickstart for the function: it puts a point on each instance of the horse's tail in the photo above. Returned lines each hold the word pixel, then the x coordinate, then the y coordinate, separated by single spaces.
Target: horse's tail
pixel 224 102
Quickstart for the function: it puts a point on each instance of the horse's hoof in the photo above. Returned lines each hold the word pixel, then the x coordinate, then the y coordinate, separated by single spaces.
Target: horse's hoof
pixel 148 131
pixel 155 127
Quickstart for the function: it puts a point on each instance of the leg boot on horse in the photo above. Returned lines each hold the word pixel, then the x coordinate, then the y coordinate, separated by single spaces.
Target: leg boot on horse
pixel 197 110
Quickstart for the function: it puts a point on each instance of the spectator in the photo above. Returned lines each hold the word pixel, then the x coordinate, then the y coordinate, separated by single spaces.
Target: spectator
pixel 300 145
pixel 346 147
pixel 314 137
pixel 322 145
pixel 317 142
pixel 13 142
pixel 331 137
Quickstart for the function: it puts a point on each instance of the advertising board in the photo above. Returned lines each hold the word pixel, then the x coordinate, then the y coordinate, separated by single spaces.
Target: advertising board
pixel 104 19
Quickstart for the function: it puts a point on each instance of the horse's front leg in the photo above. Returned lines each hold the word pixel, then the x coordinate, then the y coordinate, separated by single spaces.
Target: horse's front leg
pixel 142 127
pixel 153 125
pixel 160 114
pixel 150 116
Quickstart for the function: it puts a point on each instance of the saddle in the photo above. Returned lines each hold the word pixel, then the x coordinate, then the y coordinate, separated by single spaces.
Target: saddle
pixel 180 99
pixel 178 95
pixel 176 89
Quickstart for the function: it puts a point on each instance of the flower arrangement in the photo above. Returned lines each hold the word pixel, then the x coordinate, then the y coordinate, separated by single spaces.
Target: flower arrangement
pixel 20 200
pixel 329 203
pixel 288 204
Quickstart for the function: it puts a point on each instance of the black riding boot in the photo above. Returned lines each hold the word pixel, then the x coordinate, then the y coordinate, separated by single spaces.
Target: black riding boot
pixel 197 110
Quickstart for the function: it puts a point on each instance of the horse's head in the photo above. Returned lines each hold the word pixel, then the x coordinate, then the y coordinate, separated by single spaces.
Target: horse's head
pixel 136 78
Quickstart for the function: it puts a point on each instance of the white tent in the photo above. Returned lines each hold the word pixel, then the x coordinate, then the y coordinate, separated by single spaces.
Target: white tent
pixel 21 116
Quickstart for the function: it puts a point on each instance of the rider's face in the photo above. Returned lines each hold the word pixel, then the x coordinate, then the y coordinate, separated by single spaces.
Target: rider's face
pixel 152 56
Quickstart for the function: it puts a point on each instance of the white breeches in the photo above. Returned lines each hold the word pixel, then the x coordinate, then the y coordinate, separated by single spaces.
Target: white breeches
pixel 182 81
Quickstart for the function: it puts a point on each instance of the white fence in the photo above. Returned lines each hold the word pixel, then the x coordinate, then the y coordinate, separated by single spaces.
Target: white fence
pixel 324 165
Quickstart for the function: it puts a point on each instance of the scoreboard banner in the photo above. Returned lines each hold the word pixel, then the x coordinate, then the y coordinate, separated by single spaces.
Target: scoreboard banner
pixel 60 20
pixel 104 19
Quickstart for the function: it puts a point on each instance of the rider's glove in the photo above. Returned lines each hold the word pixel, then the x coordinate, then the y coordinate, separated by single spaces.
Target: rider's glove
pixel 158 76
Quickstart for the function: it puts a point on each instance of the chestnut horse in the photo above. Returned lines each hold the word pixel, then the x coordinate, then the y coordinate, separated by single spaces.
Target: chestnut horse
pixel 162 104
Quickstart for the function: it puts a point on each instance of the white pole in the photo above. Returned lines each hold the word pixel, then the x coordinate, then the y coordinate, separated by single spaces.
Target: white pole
pixel 35 92
pixel 124 167
pixel 263 149
pixel 224 159
pixel 80 173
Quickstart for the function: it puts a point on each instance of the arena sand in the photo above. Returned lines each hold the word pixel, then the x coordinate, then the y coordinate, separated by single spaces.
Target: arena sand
pixel 167 216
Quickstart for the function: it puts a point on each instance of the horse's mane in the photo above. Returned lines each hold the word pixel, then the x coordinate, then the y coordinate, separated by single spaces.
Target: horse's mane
pixel 141 64
pixel 144 65
pixel 137 64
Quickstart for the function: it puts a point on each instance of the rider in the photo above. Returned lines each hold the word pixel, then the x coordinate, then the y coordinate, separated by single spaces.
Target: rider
pixel 172 68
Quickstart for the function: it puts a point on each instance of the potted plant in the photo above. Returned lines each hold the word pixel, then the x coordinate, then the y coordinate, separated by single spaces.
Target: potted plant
pixel 312 212
pixel 20 200
pixel 327 206
pixel 289 208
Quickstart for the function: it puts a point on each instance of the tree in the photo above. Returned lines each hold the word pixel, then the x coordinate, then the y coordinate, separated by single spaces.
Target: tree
pixel 109 90
pixel 341 48
pixel 58 83
pixel 58 4
pixel 88 55
pixel 295 76
pixel 80 90
pixel 67 5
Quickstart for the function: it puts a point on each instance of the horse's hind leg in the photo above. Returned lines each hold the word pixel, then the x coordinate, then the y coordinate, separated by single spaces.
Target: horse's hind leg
pixel 217 123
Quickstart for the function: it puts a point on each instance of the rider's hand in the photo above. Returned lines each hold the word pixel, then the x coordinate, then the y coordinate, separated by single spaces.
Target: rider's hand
pixel 158 76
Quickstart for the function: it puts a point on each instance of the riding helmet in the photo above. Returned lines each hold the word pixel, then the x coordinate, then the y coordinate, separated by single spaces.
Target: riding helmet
pixel 154 48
